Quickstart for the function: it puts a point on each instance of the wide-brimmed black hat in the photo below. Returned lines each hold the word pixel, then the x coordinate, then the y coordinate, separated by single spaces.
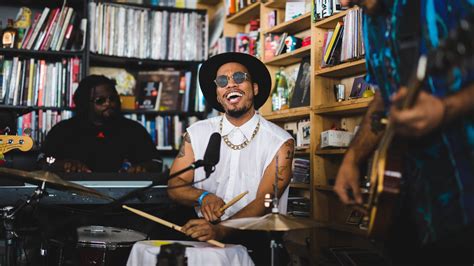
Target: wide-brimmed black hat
pixel 258 73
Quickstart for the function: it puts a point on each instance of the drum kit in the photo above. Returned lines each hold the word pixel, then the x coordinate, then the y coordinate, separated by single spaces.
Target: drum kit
pixel 103 240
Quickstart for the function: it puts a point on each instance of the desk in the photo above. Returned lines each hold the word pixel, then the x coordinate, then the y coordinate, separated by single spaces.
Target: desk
pixel 145 253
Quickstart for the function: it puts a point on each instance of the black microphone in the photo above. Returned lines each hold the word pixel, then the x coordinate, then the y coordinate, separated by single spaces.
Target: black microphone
pixel 212 154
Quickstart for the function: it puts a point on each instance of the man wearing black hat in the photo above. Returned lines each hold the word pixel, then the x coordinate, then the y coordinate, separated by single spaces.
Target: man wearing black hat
pixel 236 84
pixel 98 138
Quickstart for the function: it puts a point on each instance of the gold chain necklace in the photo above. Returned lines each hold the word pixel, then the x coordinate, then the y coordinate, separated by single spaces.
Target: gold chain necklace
pixel 243 144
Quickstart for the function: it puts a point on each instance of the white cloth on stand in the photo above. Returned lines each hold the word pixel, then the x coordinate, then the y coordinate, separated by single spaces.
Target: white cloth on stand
pixel 145 253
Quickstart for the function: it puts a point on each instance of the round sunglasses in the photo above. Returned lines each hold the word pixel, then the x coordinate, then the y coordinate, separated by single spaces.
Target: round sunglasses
pixel 238 77
pixel 101 100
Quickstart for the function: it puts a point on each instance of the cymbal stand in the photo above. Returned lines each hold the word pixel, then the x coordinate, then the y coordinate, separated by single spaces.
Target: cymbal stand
pixel 275 246
pixel 8 215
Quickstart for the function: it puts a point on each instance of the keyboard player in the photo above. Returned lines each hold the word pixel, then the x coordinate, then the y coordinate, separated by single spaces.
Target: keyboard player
pixel 98 138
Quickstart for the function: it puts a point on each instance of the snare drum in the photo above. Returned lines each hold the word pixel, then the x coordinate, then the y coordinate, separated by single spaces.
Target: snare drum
pixel 106 246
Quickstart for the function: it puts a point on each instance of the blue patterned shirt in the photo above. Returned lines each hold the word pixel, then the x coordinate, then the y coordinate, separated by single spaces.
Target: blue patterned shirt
pixel 439 176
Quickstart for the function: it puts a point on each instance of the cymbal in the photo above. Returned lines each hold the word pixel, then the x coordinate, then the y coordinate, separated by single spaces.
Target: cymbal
pixel 270 222
pixel 54 180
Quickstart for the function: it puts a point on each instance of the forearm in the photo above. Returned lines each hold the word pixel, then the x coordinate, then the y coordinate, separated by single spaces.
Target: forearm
pixel 366 139
pixel 460 104
pixel 186 195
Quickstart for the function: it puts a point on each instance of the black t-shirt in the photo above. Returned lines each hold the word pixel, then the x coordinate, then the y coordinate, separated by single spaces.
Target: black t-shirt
pixel 101 148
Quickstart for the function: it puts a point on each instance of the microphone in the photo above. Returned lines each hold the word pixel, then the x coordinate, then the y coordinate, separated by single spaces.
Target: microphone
pixel 212 153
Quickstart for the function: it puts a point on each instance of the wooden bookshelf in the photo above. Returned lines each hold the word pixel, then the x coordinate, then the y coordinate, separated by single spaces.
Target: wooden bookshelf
pixel 289 58
pixel 298 24
pixel 343 70
pixel 291 114
pixel 347 107
pixel 245 15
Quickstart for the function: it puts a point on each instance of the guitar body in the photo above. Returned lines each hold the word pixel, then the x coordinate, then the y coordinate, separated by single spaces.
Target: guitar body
pixel 386 175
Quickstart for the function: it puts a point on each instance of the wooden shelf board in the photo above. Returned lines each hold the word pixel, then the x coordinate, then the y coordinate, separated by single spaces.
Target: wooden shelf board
pixel 298 24
pixel 305 151
pixel 275 4
pixel 39 54
pixel 330 22
pixel 348 107
pixel 245 15
pixel 299 185
pixel 290 58
pixel 347 69
pixel 289 114
pixel 330 151
pixel 107 60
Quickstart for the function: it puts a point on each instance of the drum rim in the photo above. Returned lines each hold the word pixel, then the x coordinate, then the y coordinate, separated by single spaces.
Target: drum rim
pixel 106 243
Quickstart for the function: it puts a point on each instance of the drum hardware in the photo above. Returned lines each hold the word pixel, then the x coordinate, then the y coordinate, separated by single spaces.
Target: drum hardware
pixel 172 254
pixel 40 178
pixel 272 222
pixel 8 216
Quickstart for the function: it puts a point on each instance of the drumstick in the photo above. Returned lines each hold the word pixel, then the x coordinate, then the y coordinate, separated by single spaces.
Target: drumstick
pixel 232 201
pixel 168 224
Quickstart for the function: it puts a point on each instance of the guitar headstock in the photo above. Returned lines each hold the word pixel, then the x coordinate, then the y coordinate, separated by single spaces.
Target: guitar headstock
pixel 10 142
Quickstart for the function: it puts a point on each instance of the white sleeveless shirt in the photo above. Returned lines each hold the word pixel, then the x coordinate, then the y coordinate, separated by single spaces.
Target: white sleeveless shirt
pixel 238 170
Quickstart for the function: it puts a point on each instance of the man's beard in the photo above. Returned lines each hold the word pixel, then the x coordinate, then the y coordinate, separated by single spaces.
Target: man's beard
pixel 239 112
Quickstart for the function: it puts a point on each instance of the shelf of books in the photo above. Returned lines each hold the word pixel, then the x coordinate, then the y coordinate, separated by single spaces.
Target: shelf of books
pixel 341 98
pixel 154 65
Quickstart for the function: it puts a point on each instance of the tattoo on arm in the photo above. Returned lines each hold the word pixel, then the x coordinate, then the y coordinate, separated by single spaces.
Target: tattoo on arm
pixel 290 149
pixel 187 139
pixel 281 170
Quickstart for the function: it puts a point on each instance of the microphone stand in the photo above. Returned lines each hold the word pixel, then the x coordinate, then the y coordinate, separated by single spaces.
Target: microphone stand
pixel 162 177
pixel 8 215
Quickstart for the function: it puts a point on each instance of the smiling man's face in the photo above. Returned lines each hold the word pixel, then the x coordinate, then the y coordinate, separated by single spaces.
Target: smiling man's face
pixel 236 98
